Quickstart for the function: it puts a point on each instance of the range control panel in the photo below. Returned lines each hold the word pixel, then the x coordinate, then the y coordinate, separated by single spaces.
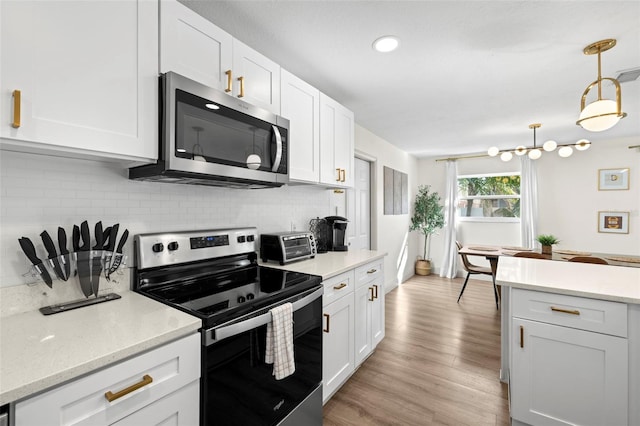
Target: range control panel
pixel 162 249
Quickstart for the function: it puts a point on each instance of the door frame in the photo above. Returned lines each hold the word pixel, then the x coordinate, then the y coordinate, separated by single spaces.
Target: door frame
pixel 373 196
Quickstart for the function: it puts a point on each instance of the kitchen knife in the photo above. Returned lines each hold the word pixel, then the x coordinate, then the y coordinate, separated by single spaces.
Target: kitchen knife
pixel 53 254
pixel 64 252
pixel 30 251
pixel 83 256
pixel 110 239
pixel 117 257
pixel 96 265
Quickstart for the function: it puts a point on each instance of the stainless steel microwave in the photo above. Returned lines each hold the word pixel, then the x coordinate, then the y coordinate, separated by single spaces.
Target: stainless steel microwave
pixel 211 138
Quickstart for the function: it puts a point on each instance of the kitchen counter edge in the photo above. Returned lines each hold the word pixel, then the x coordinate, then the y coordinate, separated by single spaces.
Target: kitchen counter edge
pixel 41 352
pixel 604 282
pixel 330 264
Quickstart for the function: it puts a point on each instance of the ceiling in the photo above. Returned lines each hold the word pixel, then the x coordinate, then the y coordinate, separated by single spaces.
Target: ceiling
pixel 468 74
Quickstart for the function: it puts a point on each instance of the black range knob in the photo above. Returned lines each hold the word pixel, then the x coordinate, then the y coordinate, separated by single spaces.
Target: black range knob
pixel 241 299
pixel 157 247
pixel 250 296
pixel 250 238
pixel 173 245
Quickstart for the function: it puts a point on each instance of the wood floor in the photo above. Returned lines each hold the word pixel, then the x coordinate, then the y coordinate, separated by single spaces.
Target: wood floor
pixel 437 365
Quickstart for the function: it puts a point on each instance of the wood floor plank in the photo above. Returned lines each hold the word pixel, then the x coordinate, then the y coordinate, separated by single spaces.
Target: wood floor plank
pixel 437 365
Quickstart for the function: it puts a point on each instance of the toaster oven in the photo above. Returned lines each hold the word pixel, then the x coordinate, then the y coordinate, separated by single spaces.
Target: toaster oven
pixel 285 247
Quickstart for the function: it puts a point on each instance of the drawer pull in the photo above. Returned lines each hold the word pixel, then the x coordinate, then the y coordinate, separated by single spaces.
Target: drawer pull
pixel 566 311
pixel 372 271
pixel 16 109
pixel 328 317
pixel 241 80
pixel 521 336
pixel 371 294
pixel 375 286
pixel 229 81
pixel 340 287
pixel 146 379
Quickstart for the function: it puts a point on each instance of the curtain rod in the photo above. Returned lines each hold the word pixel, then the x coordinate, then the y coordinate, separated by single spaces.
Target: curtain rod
pixel 462 157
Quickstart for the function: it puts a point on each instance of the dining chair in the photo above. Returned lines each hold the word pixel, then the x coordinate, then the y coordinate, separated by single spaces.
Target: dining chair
pixel 531 254
pixel 589 259
pixel 475 269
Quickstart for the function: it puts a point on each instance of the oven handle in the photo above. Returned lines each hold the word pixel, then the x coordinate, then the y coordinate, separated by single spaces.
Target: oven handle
pixel 278 159
pixel 214 335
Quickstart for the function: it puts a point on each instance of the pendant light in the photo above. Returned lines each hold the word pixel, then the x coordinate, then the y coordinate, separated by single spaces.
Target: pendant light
pixel 534 152
pixel 601 114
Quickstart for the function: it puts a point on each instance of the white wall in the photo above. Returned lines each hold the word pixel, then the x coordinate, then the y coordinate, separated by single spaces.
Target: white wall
pixel 568 199
pixel 390 233
pixel 42 192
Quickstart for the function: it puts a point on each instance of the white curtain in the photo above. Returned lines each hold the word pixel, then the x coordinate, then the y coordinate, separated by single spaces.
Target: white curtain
pixel 449 267
pixel 528 202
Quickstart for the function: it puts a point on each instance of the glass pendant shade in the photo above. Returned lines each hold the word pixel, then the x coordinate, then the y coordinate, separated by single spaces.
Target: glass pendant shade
pixel 599 115
pixel 493 151
pixel 506 156
pixel 583 145
pixel 549 146
pixel 534 154
pixel 565 151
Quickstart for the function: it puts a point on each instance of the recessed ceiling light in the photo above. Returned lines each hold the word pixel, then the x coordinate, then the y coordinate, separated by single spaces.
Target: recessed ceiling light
pixel 386 44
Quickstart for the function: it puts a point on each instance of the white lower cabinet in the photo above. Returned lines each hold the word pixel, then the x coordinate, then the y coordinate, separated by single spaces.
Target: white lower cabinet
pixel 353 307
pixel 562 372
pixel 158 387
pixel 338 361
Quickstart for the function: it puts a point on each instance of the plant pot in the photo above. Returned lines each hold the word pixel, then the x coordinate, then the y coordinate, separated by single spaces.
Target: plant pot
pixel 423 267
pixel 546 249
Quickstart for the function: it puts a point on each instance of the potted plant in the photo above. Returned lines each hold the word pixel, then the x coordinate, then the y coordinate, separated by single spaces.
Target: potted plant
pixel 547 241
pixel 427 218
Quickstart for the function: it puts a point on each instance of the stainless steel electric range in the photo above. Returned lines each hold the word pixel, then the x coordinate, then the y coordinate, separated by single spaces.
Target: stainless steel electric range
pixel 214 275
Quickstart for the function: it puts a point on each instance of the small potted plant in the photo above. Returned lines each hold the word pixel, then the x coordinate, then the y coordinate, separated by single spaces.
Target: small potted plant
pixel 547 241
pixel 427 218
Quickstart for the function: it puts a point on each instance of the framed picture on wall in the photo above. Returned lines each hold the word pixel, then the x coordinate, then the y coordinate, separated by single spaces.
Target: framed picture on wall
pixel 613 179
pixel 613 222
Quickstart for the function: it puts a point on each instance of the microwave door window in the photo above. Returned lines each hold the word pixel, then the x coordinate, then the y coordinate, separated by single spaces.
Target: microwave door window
pixel 203 135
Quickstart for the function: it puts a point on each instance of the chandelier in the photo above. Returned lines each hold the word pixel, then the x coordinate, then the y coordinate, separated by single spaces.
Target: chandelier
pixel 534 152
pixel 601 114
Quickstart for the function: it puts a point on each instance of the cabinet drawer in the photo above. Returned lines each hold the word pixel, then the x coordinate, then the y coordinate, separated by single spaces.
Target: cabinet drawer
pixel 83 401
pixel 370 271
pixel 336 287
pixel 600 316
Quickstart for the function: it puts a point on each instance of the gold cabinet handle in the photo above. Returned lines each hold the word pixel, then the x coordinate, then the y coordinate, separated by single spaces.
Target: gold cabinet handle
pixel 229 81
pixel 338 179
pixel 566 311
pixel 16 109
pixel 340 287
pixel 146 379
pixel 328 317
pixel 241 80
pixel 375 287
pixel 371 294
pixel 372 271
pixel 521 336
pixel 344 175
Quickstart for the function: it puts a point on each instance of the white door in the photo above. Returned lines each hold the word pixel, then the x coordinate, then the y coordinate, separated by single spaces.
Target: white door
pixel 359 208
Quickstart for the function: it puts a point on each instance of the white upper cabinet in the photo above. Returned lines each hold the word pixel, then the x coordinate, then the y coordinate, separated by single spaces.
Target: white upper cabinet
pixel 336 144
pixel 192 46
pixel 300 104
pixel 196 48
pixel 80 78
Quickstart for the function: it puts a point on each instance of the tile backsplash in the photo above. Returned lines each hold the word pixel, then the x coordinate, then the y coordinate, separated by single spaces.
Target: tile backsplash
pixel 41 192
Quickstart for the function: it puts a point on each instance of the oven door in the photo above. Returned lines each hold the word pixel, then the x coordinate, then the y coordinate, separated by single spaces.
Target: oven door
pixel 238 387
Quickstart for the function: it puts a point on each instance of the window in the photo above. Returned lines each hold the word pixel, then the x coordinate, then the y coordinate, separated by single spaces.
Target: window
pixel 494 197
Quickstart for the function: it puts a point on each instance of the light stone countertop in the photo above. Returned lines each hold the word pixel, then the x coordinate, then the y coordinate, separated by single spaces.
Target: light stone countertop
pixel 331 263
pixel 38 352
pixel 605 282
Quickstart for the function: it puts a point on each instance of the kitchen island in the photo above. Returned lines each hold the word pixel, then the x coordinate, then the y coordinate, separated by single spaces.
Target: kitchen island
pixel 570 341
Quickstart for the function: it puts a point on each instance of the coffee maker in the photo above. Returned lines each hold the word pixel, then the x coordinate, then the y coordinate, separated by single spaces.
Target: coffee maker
pixel 337 226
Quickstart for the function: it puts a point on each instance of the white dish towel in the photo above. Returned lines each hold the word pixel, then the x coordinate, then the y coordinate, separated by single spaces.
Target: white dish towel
pixel 279 345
